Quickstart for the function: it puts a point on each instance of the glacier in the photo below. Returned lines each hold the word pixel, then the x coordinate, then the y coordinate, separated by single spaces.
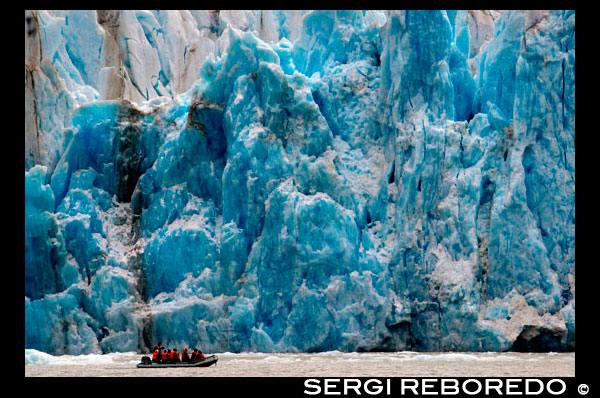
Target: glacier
pixel 299 181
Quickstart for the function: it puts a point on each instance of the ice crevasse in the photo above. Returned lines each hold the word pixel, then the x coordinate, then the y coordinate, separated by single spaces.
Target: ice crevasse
pixel 299 181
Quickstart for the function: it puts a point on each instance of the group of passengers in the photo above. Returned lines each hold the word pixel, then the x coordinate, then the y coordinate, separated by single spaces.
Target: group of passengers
pixel 164 355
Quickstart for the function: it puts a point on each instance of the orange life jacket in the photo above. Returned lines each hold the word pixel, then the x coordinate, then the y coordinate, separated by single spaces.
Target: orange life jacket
pixel 155 355
pixel 164 356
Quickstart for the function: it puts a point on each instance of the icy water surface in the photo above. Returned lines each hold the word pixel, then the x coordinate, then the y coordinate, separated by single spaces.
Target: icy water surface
pixel 332 363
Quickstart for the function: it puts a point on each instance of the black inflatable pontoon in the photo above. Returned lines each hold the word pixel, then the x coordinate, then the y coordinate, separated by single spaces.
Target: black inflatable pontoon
pixel 207 361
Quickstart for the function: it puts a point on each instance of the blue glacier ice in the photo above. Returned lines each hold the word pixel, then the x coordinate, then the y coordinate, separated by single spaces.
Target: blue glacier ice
pixel 299 181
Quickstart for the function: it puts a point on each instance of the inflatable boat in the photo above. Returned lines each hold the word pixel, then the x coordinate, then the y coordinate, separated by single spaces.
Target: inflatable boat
pixel 207 361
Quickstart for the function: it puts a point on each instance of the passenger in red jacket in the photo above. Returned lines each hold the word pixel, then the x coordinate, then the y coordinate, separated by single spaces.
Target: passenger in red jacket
pixel 174 355
pixel 164 356
pixel 156 356
pixel 185 357
pixel 159 347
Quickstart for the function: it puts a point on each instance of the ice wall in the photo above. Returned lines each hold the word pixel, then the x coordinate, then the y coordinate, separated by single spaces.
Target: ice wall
pixel 300 181
pixel 73 57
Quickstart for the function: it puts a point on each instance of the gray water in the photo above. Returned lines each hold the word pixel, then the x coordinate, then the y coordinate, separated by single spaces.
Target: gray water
pixel 333 363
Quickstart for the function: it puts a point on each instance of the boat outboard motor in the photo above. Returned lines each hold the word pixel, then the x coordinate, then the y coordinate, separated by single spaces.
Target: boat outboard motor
pixel 146 360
